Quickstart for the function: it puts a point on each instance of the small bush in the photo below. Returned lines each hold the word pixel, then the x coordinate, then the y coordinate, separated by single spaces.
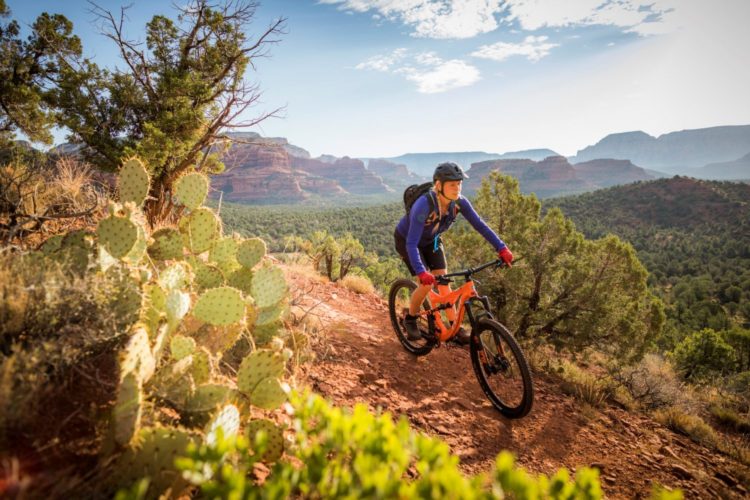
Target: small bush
pixel 358 284
pixel 584 386
pixel 730 418
pixel 690 425
pixel 654 383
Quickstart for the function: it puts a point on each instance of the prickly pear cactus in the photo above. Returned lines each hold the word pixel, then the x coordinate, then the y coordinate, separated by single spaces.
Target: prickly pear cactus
pixel 202 366
pixel 251 251
pixel 242 279
pixel 257 366
pixel 269 286
pixel 191 190
pixel 270 393
pixel 220 306
pixel 126 414
pixel 270 434
pixel 200 229
pixel 181 347
pixel 153 457
pixel 227 419
pixel 177 306
pixel 134 182
pixel 208 397
pixel 175 277
pixel 208 276
pixel 136 358
pixel 167 245
pixel 118 235
pixel 224 250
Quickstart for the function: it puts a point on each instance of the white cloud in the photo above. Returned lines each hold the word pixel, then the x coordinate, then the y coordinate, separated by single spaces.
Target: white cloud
pixel 533 48
pixel 450 19
pixel 383 63
pixel 645 17
pixel 427 70
pixel 442 19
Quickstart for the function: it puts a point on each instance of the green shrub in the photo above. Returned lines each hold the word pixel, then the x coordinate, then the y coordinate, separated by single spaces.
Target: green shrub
pixel 704 353
pixel 357 454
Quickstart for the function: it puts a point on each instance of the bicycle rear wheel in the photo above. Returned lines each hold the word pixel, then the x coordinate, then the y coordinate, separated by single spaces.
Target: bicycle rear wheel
pixel 399 298
pixel 501 369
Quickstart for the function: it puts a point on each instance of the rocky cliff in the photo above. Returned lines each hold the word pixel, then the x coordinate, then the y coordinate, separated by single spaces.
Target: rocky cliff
pixel 555 175
pixel 350 173
pixel 395 175
pixel 675 152
pixel 730 170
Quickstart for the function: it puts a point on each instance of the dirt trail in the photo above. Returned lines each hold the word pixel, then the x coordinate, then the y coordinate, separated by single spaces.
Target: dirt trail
pixel 362 361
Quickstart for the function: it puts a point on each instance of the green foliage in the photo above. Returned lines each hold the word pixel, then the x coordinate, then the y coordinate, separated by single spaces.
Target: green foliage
pixel 170 100
pixel 703 354
pixel 26 69
pixel 359 454
pixel 694 238
pixel 569 292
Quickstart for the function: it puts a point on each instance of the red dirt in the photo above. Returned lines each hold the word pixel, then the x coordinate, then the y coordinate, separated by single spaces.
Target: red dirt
pixel 361 361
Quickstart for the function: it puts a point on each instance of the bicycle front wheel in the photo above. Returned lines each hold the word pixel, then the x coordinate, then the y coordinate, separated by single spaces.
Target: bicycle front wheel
pixel 501 369
pixel 398 305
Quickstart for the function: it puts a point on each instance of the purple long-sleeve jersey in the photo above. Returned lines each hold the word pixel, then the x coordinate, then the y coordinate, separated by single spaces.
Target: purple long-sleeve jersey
pixel 420 231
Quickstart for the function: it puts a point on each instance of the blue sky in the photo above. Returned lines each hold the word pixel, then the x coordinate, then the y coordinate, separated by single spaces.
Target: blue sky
pixel 386 77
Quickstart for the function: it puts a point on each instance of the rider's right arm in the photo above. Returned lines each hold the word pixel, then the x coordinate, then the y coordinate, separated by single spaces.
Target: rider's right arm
pixel 417 216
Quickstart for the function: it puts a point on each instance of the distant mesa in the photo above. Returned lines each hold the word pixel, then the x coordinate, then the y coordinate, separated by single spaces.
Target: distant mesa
pixel 676 152
pixel 424 163
pixel 729 170
pixel 554 175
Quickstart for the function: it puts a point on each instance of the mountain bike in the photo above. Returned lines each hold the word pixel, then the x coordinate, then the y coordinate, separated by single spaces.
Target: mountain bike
pixel 498 361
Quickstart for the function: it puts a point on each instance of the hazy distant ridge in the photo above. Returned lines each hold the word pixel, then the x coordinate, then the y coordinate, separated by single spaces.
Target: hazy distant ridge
pixel 675 151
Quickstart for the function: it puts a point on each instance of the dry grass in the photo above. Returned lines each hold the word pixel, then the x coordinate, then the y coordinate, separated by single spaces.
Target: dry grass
pixel 690 425
pixel 358 284
pixel 730 418
pixel 654 384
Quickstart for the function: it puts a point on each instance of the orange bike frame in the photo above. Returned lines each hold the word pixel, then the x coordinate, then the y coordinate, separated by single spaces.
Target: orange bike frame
pixel 460 295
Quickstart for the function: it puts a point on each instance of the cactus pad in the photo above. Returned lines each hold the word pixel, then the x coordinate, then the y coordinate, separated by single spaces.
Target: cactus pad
pixel 269 286
pixel 200 229
pixel 228 419
pixel 273 440
pixel 201 368
pixel 220 306
pixel 218 339
pixel 268 315
pixel 269 393
pixel 177 306
pixel 191 190
pixel 52 244
pixel 224 250
pixel 208 397
pixel 174 277
pixel 133 182
pixel 181 347
pixel 174 383
pixel 117 235
pixel 241 279
pixel 153 457
pixel 167 244
pixel 263 334
pixel 136 358
pixel 208 276
pixel 136 253
pixel 258 366
pixel 126 414
pixel 251 251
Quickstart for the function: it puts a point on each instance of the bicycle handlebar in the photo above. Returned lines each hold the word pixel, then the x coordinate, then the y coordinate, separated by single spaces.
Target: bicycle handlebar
pixel 466 273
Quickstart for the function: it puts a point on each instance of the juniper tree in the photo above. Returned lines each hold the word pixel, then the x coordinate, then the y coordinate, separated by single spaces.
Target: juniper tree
pixel 567 291
pixel 173 98
pixel 27 69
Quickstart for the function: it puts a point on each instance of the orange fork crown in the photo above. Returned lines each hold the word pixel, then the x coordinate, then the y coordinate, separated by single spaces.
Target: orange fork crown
pixel 447 300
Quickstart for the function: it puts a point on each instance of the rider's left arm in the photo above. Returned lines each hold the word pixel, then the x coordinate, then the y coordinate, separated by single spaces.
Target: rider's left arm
pixel 481 227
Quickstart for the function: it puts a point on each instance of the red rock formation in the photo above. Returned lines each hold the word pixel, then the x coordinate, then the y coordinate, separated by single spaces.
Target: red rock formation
pixel 395 175
pixel 608 172
pixel 480 170
pixel 350 173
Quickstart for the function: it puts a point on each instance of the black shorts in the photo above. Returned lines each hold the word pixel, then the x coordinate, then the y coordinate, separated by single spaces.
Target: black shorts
pixel 430 258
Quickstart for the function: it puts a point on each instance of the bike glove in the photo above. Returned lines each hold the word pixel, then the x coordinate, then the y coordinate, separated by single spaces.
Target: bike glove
pixel 426 278
pixel 506 256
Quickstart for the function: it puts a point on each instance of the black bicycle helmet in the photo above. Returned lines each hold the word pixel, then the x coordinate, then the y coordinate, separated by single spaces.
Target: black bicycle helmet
pixel 448 171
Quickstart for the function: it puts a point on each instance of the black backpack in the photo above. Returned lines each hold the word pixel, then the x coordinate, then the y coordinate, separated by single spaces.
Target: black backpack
pixel 413 192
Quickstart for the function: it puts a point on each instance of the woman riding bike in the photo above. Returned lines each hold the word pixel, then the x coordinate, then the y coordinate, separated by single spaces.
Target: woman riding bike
pixel 418 241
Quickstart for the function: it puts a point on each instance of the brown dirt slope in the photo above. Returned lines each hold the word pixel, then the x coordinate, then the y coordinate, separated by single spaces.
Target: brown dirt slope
pixel 362 361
